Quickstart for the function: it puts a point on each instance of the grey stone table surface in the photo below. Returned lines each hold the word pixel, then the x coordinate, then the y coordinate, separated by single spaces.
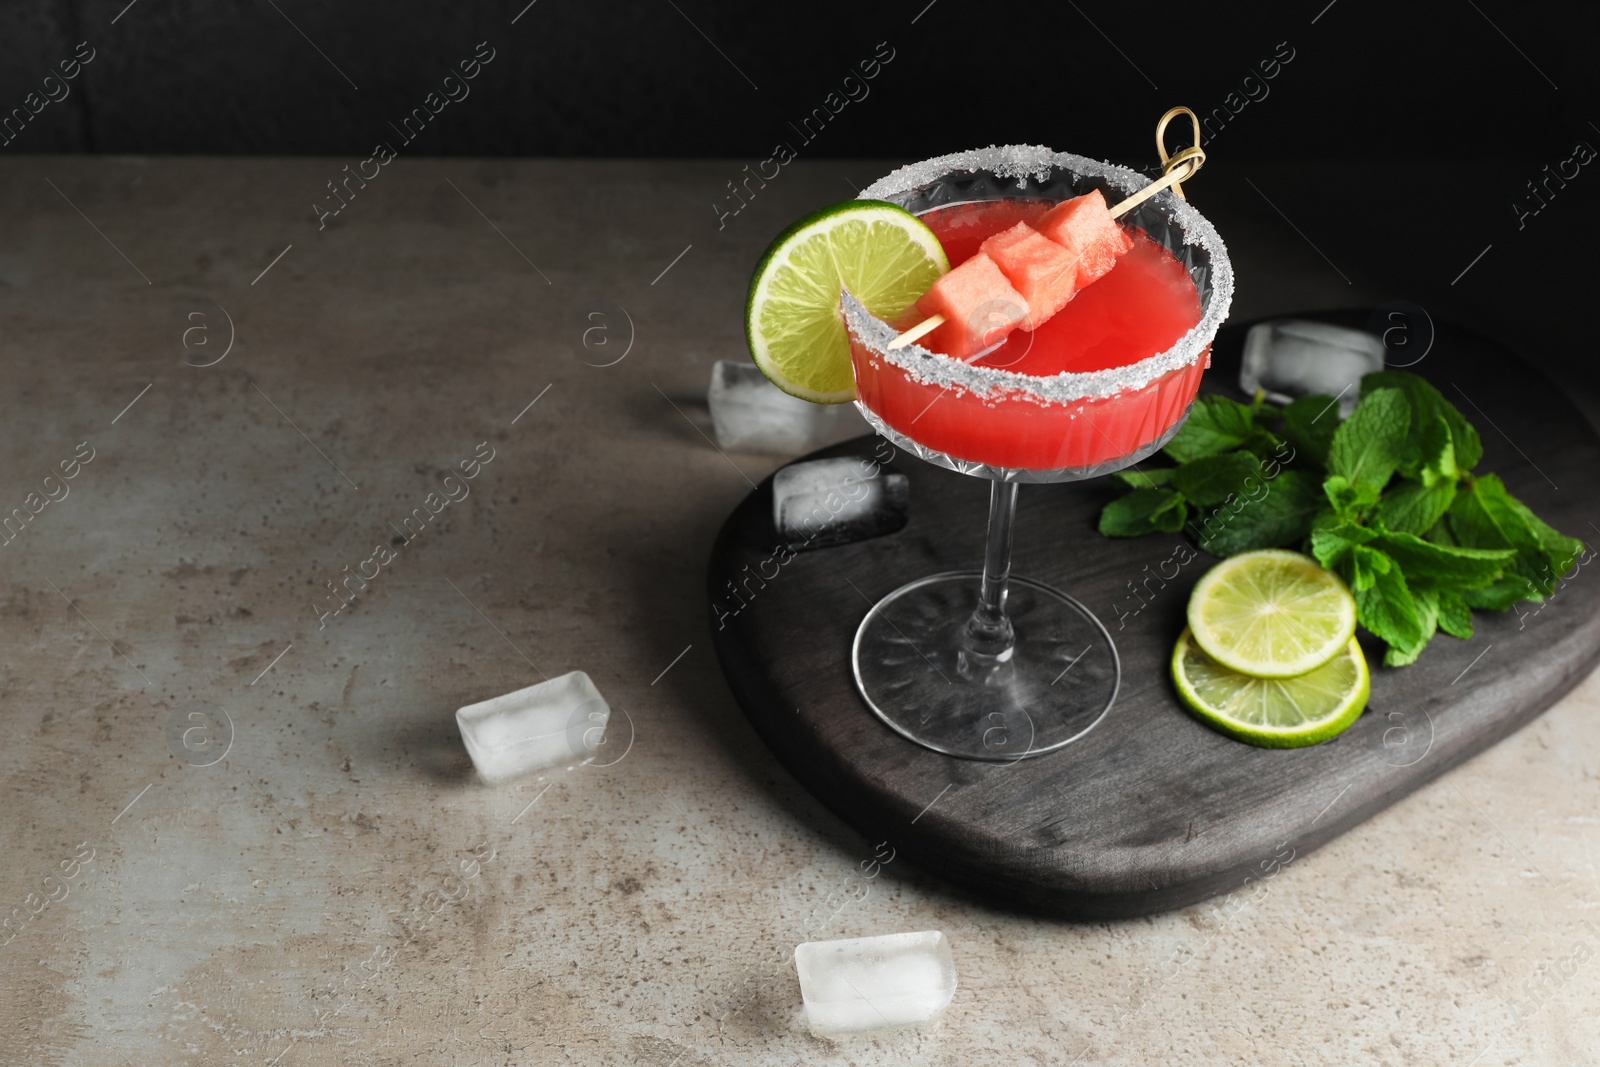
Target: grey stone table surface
pixel 337 888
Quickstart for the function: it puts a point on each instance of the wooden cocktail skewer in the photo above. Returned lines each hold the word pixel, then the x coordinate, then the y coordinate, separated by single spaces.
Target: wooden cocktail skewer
pixel 1176 168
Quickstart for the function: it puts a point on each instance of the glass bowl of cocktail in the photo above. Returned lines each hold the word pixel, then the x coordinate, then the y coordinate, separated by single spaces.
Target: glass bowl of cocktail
pixel 981 664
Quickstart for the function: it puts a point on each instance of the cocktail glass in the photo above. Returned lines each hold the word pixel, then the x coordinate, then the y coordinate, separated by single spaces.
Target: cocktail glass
pixel 982 665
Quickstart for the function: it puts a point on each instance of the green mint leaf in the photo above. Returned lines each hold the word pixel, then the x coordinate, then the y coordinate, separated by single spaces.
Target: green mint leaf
pixel 1440 533
pixel 1411 507
pixel 1504 591
pixel 1484 515
pixel 1481 518
pixel 1144 511
pixel 1332 544
pixel 1326 519
pixel 1349 501
pixel 1210 480
pixel 1465 568
pixel 1282 454
pixel 1215 424
pixel 1309 423
pixel 1384 604
pixel 1427 402
pixel 1369 445
pixel 1427 602
pixel 1271 514
pixel 1365 566
pixel 1148 478
pixel 1560 551
pixel 1455 617
pixel 1470 524
pixel 1435 456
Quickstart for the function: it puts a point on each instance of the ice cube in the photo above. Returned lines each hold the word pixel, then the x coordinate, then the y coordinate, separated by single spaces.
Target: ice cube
pixel 1289 358
pixel 823 502
pixel 860 984
pixel 750 414
pixel 557 721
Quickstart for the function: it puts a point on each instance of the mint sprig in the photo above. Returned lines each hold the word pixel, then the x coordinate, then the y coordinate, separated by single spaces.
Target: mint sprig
pixel 1386 498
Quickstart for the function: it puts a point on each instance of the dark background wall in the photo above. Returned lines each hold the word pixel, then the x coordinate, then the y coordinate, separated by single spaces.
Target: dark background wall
pixel 1429 79
pixel 1409 136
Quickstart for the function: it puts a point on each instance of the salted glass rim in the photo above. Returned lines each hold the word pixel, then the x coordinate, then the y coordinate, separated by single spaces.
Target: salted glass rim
pixel 1022 162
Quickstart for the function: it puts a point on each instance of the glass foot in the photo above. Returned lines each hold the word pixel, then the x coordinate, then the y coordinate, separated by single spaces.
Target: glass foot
pixel 1050 688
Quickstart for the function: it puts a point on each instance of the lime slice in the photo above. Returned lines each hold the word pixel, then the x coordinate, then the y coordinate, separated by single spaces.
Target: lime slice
pixel 1271 613
pixel 882 253
pixel 1273 712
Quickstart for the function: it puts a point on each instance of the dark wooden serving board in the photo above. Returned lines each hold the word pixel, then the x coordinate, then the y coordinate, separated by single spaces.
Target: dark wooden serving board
pixel 1151 810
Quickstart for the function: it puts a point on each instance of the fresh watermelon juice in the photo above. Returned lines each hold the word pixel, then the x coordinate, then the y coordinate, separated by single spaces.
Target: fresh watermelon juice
pixel 1141 308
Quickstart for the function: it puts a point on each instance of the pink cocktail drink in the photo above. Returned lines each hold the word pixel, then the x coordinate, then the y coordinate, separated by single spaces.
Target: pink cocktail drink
pixel 986 665
pixel 1141 308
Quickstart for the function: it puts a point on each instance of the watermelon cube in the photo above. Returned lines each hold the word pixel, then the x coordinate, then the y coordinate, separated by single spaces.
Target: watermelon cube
pixel 1085 228
pixel 1042 271
pixel 979 307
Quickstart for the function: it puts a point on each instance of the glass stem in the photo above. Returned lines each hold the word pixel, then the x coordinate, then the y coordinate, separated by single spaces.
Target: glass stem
pixel 989 632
